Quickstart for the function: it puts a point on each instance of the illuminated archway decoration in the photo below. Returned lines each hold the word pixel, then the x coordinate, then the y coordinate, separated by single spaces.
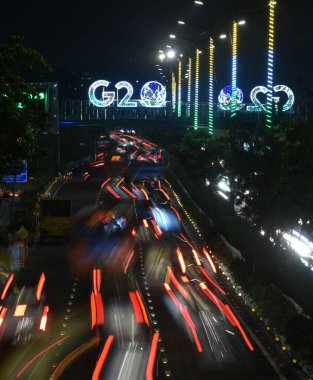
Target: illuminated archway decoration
pixel 153 94
pixel 124 102
pixel 211 86
pixel 189 87
pixel 107 97
pixel 225 99
pixel 270 65
pixel 173 93
pixel 234 71
pixel 179 89
pixel 196 111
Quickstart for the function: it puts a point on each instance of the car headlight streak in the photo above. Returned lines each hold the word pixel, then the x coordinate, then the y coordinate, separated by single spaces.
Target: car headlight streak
pixel 270 65
pixel 234 70
pixel 179 89
pixel 189 87
pixel 196 112
pixel 211 86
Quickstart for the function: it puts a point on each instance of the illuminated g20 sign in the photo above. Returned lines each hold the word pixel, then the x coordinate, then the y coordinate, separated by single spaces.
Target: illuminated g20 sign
pixel 224 98
pixel 152 94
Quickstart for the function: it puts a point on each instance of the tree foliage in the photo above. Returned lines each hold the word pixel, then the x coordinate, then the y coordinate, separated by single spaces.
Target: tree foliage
pixel 280 176
pixel 271 170
pixel 276 168
pixel 20 121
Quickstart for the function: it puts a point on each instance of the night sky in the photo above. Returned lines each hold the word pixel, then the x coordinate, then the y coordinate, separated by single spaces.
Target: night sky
pixel 119 40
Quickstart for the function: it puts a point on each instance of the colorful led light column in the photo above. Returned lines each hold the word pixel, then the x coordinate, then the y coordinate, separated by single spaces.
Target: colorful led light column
pixel 234 71
pixel 270 65
pixel 189 87
pixel 173 92
pixel 179 89
pixel 211 86
pixel 196 112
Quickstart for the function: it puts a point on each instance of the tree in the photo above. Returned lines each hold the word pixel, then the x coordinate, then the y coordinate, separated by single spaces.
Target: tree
pixel 281 180
pixel 20 122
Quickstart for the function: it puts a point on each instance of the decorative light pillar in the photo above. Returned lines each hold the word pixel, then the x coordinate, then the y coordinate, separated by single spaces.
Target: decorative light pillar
pixel 270 65
pixel 179 89
pixel 211 86
pixel 234 70
pixel 189 87
pixel 196 111
pixel 173 92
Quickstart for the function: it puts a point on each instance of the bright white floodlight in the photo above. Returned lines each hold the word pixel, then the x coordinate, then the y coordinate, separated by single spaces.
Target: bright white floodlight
pixel 171 54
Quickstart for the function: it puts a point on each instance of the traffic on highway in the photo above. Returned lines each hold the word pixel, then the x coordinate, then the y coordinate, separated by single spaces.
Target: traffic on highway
pixel 133 291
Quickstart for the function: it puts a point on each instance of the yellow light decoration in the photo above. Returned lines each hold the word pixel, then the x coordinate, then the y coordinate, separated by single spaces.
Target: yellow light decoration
pixel 211 86
pixel 173 92
pixel 196 112
pixel 179 89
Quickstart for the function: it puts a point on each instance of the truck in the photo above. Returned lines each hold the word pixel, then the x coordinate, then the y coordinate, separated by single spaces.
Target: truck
pixel 53 219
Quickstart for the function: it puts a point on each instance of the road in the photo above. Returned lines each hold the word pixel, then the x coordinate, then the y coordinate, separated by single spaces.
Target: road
pixel 135 294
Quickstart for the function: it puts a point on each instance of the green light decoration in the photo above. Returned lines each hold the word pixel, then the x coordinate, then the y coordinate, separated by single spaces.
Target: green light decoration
pixel 270 65
pixel 39 96
pixel 196 112
pixel 179 89
pixel 211 86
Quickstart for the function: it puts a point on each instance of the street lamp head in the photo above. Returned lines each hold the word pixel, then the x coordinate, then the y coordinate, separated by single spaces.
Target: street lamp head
pixel 169 46
pixel 223 36
pixel 198 2
pixel 242 22
pixel 181 55
pixel 171 54
pixel 162 56
pixel 172 36
pixel 180 22
pixel 161 51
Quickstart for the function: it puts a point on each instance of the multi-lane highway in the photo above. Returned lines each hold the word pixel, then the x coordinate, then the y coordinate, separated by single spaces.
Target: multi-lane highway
pixel 135 294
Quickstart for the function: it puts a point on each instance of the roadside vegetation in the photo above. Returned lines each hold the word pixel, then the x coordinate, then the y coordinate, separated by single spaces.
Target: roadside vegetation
pixel 276 168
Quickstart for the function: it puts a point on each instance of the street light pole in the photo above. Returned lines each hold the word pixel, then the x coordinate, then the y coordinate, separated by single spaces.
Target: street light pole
pixel 59 149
